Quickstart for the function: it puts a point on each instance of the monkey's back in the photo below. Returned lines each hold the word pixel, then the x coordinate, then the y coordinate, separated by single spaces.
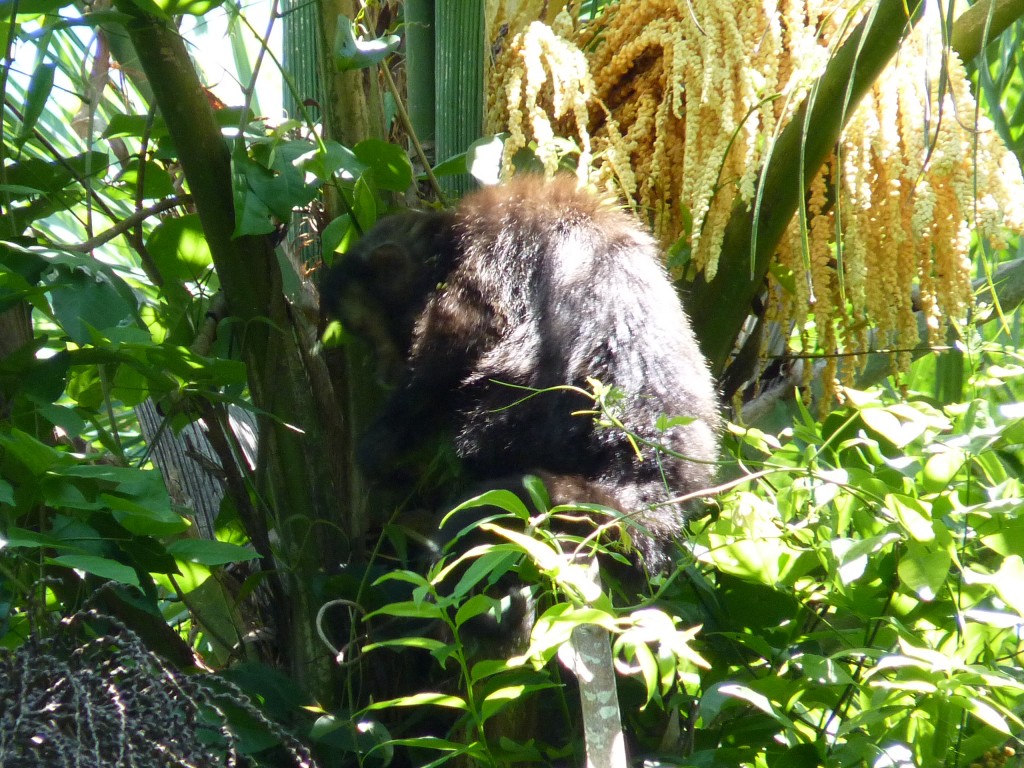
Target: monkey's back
pixel 571 289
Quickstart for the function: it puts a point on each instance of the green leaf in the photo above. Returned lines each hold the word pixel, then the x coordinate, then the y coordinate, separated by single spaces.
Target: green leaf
pixel 207 552
pixel 35 456
pixel 353 53
pixel 501 498
pixel 422 643
pixel 750 696
pixel 823 671
pixel 914 515
pixel 1009 583
pixel 338 236
pixel 433 699
pixel 50 178
pixel 276 177
pixel 334 157
pixel 643 657
pixel 179 248
pixel 252 215
pixel 924 570
pixel 941 468
pixel 410 609
pixel 364 204
pixel 149 7
pixel 987 714
pixel 477 605
pixel 28 8
pixel 145 519
pixel 36 97
pixel 452 166
pixel 388 163
pixel 82 302
pixel 190 7
pixel 98 566
pixel 156 181
pixel 135 126
pixel 19 537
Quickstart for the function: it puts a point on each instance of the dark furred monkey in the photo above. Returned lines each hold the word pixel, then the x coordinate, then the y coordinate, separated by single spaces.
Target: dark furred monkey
pixel 534 284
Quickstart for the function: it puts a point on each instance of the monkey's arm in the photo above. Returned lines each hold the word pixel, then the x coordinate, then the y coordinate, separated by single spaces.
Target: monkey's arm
pixel 454 331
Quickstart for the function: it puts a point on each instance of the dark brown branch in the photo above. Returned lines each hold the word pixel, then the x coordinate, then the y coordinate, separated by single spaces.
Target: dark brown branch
pixel 127 223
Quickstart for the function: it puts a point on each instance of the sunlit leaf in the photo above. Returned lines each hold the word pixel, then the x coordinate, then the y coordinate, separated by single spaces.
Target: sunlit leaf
pixel 38 94
pixel 923 570
pixel 415 700
pixel 1009 583
pixel 351 52
pixel 208 552
pixel 388 163
pixel 179 248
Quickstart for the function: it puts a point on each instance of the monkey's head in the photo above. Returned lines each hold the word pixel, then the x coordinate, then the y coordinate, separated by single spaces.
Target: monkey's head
pixel 379 288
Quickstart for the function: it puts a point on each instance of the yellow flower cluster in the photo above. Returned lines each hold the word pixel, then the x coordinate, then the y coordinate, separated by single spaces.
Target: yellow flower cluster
pixel 546 79
pixel 684 110
pixel 674 105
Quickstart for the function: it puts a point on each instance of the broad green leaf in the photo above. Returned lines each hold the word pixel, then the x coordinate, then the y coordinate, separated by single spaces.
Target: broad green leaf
pixel 50 178
pixel 131 386
pixel 914 515
pixel 900 424
pixel 364 204
pixel 388 163
pixel 411 610
pixel 924 570
pixel 274 174
pixel 452 166
pixel 721 695
pixel 103 567
pixel 823 671
pixel 334 157
pixel 1009 583
pixel 1005 534
pixel 988 714
pixel 82 302
pixel 640 654
pixel 149 7
pixel 852 555
pixel 252 216
pixel 486 564
pixel 338 236
pixel 19 537
pixel 35 456
pixel 58 492
pixel 410 577
pixel 179 248
pixel 145 520
pixel 499 699
pixel 351 52
pixel 501 498
pixel 475 606
pixel 29 8
pixel 38 94
pixel 156 181
pixel 207 552
pixel 941 468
